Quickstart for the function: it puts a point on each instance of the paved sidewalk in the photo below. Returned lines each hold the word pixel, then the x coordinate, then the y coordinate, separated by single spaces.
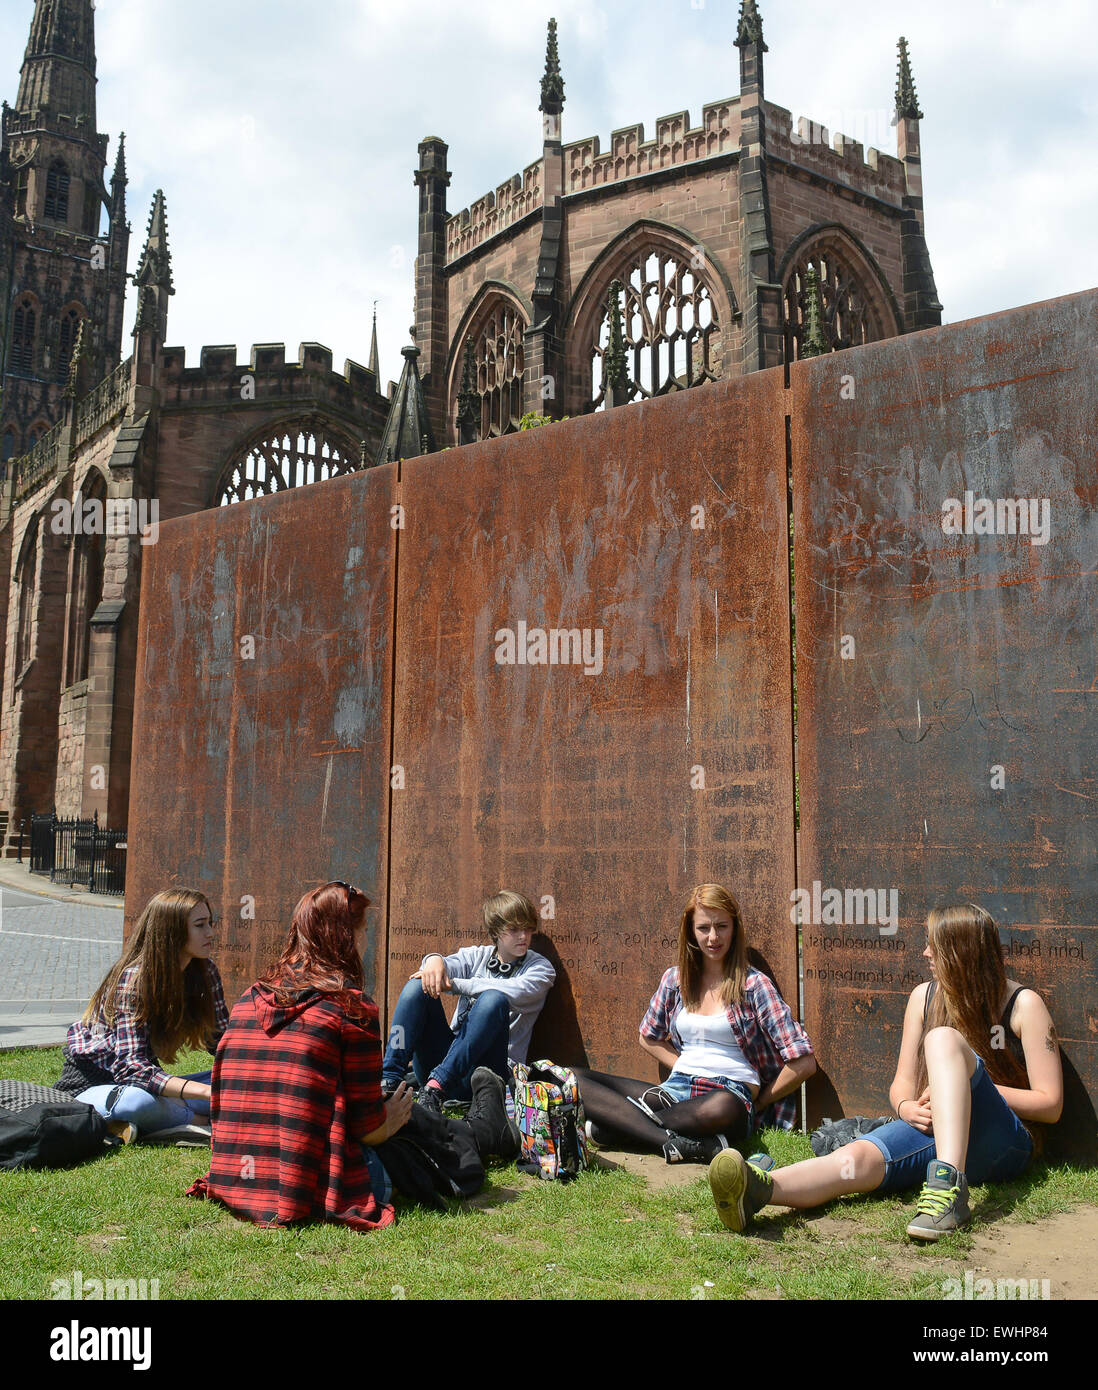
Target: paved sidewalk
pixel 56 944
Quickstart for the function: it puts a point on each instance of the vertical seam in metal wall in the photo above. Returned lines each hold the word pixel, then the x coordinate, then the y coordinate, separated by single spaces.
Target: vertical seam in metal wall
pixel 392 750
pixel 793 714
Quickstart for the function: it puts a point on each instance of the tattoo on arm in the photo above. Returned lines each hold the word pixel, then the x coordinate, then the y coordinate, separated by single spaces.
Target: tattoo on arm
pixel 1050 1040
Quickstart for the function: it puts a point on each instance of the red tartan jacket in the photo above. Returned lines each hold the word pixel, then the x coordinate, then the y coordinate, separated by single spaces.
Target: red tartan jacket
pixel 291 1088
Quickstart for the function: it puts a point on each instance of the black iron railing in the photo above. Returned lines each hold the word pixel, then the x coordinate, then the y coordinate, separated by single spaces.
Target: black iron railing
pixel 78 852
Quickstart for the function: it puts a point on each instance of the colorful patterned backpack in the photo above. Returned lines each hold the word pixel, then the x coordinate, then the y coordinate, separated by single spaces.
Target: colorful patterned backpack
pixel 549 1114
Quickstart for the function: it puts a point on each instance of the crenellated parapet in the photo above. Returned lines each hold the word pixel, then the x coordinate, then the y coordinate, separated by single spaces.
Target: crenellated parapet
pixel 676 142
pixel 266 376
pixel 841 159
pixel 495 212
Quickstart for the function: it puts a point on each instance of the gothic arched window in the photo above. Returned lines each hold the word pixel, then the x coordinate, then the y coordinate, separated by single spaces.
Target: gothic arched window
pixel 85 591
pixel 24 330
pixel 498 367
pixel 7 450
pixel 853 311
pixel 57 192
pixel 294 454
pixel 34 434
pixel 670 329
pixel 26 576
pixel 70 323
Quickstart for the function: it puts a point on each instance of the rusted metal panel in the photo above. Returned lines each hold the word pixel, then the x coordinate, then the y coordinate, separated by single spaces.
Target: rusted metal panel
pixel 262 721
pixel 577 787
pixel 948 699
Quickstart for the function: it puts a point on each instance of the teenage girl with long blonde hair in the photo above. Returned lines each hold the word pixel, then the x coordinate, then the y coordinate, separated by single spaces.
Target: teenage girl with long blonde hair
pixel 978 1075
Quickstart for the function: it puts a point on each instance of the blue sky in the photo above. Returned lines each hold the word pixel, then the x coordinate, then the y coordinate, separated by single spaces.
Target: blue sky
pixel 284 134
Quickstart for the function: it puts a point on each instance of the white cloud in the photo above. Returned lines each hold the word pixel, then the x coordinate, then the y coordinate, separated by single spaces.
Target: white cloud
pixel 284 135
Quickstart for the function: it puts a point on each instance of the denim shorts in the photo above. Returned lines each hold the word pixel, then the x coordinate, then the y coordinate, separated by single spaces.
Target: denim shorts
pixel 999 1146
pixel 685 1087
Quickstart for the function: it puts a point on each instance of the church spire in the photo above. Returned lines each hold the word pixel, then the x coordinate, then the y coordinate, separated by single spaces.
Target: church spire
pixel 552 83
pixel 907 103
pixel 407 432
pixel 373 363
pixel 58 73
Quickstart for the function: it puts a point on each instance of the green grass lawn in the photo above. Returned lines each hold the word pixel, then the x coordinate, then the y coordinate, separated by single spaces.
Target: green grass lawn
pixel 606 1236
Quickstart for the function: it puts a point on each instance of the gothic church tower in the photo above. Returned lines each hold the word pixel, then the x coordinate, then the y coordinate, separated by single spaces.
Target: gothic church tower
pixel 56 270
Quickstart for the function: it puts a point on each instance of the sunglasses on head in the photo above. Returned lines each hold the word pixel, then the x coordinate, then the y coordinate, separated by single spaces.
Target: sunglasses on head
pixel 352 891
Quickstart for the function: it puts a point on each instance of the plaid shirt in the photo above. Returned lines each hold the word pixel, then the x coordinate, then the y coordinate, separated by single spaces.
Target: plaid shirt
pixel 293 1089
pixel 122 1048
pixel 765 1031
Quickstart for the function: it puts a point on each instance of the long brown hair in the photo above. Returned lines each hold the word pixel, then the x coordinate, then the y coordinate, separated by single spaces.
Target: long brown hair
pixel 320 952
pixel 968 963
pixel 718 899
pixel 176 1006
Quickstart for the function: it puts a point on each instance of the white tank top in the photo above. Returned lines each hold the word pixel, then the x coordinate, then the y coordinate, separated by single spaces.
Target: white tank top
pixel 710 1049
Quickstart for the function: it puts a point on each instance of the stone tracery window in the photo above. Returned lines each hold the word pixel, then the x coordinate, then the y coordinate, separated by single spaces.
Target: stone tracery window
pixel 848 318
pixel 88 556
pixel 671 332
pixel 293 455
pixel 499 363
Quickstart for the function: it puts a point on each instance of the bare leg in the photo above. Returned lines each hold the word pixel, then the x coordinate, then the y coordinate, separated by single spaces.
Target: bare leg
pixel 950 1063
pixel 856 1167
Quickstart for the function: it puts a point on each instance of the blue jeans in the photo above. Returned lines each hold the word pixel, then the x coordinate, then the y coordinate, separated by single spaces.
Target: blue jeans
pixel 419 1031
pixel 999 1146
pixel 148 1112
pixel 380 1183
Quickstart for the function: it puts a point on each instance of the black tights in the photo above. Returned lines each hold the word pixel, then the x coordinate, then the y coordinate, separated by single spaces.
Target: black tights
pixel 605 1102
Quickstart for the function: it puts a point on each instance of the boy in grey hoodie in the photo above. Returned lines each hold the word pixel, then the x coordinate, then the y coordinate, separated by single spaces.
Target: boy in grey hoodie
pixel 502 987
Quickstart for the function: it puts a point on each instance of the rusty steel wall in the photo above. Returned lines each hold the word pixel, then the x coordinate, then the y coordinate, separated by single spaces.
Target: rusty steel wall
pixel 577 787
pixel 947 689
pixel 262 770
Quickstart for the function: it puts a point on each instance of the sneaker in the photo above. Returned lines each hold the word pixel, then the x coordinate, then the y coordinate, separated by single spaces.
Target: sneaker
pixel 943 1204
pixel 763 1162
pixel 182 1136
pixel 739 1188
pixel 680 1148
pixel 431 1099
pixel 498 1136
pixel 652 1101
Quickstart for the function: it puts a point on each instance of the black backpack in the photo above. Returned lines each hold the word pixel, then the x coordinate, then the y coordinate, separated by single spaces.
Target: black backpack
pixel 50 1135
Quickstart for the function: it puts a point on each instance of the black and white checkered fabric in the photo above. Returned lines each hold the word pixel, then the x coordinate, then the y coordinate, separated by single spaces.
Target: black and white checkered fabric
pixel 21 1095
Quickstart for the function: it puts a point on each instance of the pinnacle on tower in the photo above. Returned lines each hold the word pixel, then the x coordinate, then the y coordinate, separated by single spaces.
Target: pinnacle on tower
pixel 155 266
pixel 119 175
pixel 153 276
pixel 79 352
pixel 814 342
pixel 119 182
pixel 552 84
pixel 751 26
pixel 407 432
pixel 907 103
pixel 373 363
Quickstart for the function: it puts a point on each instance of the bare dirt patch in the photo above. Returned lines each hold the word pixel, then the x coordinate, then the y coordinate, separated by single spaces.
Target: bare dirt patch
pixel 653 1168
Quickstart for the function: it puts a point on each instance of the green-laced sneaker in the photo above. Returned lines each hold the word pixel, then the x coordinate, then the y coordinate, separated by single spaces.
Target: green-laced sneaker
pixel 739 1188
pixel 943 1204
